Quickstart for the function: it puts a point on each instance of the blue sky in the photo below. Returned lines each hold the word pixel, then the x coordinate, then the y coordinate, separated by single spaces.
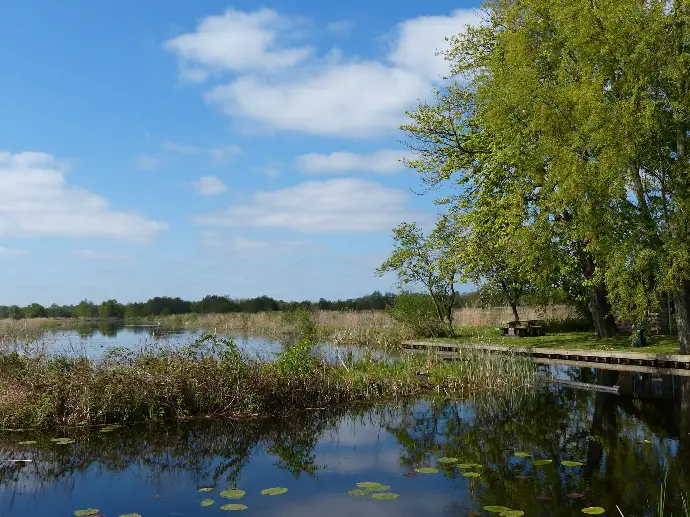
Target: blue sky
pixel 188 148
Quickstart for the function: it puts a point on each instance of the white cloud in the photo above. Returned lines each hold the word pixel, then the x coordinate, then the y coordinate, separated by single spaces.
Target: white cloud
pixel 238 41
pixel 180 148
pixel 35 200
pixel 7 252
pixel 383 162
pixel 340 27
pixel 209 186
pixel 339 205
pixel 217 153
pixel 146 162
pixel 220 242
pixel 331 95
pixel 416 42
pixel 98 255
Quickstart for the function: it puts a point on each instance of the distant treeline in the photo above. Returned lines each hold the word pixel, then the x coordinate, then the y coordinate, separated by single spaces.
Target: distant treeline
pixel 164 305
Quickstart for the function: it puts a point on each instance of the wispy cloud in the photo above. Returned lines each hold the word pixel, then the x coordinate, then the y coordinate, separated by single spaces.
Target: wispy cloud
pixel 218 153
pixel 98 255
pixel 386 161
pixel 7 252
pixel 209 186
pixel 148 162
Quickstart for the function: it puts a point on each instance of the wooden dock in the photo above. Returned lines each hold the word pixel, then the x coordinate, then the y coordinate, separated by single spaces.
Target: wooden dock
pixel 643 362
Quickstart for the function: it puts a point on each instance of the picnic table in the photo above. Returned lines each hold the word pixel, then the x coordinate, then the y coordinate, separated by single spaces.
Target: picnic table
pixel 524 328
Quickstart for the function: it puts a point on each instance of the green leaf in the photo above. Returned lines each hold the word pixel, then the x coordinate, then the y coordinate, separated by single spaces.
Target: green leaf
pixel 88 511
pixel 235 507
pixel 426 470
pixel 593 510
pixel 205 489
pixel 274 491
pixel 445 459
pixel 385 496
pixel 232 494
pixel 512 513
pixel 471 474
pixel 572 463
pixel 370 485
pixel 539 463
pixel 522 454
pixel 28 442
pixel 358 492
pixel 130 515
pixel 496 509
pixel 207 502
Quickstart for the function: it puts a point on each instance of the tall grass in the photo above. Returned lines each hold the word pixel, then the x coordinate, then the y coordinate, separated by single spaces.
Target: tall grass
pixel 212 376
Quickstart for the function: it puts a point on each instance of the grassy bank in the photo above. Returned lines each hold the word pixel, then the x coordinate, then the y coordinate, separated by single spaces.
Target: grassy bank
pixel 567 340
pixel 212 377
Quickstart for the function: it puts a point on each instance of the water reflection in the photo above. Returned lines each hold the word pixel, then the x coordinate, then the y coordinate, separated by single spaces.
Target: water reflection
pixel 626 443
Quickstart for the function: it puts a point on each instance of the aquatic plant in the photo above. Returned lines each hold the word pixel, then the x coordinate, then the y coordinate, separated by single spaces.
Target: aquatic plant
pixel 593 510
pixel 385 496
pixel 233 507
pixel 88 511
pixel 426 470
pixel 211 376
pixel 207 502
pixel 274 491
pixel 232 494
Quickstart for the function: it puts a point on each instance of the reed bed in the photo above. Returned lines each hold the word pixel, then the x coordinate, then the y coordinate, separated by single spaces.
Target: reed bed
pixel 212 377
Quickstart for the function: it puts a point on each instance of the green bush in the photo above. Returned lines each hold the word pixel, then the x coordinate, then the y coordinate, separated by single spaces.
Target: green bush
pixel 417 312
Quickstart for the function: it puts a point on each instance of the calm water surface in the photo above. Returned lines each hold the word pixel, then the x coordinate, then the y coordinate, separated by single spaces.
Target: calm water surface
pixel 626 442
pixel 94 341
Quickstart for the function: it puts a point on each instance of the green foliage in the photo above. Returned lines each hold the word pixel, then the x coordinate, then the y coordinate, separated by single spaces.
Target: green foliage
pixel 418 313
pixel 427 261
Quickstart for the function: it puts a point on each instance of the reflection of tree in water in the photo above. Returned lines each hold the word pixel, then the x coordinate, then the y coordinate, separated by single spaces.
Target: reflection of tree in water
pixel 208 452
pixel 557 424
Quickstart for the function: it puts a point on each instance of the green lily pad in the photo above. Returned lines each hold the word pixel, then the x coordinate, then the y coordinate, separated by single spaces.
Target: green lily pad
pixel 28 442
pixel 522 454
pixel 106 430
pixel 88 511
pixel 539 463
pixel 235 507
pixel 469 465
pixel 274 491
pixel 207 502
pixel 232 494
pixel 359 492
pixel 130 515
pixel 371 485
pixel 446 459
pixel 385 496
pixel 496 509
pixel 205 489
pixel 593 510
pixel 512 513
pixel 572 463
pixel 426 470
pixel 471 474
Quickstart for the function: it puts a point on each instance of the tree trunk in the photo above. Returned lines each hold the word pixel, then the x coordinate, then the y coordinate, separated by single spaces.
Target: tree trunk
pixel 604 322
pixel 513 306
pixel 599 306
pixel 682 299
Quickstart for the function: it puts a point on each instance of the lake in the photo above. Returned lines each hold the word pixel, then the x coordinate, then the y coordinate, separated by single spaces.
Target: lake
pixel 94 341
pixel 625 444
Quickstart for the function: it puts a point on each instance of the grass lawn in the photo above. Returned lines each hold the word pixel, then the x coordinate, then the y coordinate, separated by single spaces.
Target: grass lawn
pixel 569 340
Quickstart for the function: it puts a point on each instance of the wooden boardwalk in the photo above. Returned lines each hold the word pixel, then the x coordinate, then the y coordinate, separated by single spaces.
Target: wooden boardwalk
pixel 644 362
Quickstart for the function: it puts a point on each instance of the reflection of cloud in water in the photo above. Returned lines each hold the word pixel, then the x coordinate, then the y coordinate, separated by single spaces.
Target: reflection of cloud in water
pixel 345 462
pixel 336 505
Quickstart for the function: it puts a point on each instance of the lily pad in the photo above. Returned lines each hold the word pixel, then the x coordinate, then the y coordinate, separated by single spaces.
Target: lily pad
pixel 539 463
pixel 88 511
pixel 496 509
pixel 232 494
pixel 512 513
pixel 522 454
pixel 207 502
pixel 471 474
pixel 385 496
pixel 130 515
pixel 274 491
pixel 205 489
pixel 371 485
pixel 469 465
pixel 359 492
pixel 593 510
pixel 426 470
pixel 572 463
pixel 28 442
pixel 235 507
pixel 446 459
